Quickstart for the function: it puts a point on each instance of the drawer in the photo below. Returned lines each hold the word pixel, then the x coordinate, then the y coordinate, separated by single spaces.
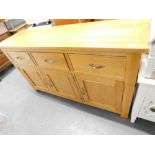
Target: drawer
pixel 98 64
pixel 147 110
pixel 50 60
pixel 21 58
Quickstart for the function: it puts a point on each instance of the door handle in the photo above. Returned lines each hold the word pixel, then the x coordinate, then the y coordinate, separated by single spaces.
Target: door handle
pixel 83 91
pixel 43 80
pixel 152 109
pixel 50 83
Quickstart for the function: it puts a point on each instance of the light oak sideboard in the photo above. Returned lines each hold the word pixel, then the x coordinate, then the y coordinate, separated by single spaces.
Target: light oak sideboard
pixel 92 63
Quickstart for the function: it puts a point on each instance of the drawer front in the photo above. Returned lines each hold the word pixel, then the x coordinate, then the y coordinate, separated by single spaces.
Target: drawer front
pixel 21 58
pixel 147 113
pixel 102 65
pixel 147 110
pixel 50 60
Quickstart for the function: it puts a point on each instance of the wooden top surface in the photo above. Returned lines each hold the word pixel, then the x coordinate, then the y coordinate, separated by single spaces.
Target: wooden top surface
pixel 124 34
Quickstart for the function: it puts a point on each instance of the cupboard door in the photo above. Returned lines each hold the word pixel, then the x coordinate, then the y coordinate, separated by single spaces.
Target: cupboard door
pixel 35 78
pixel 101 92
pixel 63 83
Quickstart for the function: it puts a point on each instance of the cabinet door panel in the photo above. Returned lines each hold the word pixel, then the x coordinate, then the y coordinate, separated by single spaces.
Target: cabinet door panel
pixel 63 83
pixel 35 78
pixel 101 92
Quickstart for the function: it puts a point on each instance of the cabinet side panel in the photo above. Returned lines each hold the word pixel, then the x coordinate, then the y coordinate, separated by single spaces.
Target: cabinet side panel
pixel 132 67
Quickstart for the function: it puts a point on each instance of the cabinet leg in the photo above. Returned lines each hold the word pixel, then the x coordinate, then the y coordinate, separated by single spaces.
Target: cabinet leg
pixel 133 119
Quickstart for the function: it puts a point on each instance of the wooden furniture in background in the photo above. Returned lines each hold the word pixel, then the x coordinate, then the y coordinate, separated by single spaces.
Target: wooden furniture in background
pixel 4 61
pixel 103 19
pixel 57 22
pixel 2 20
pixel 94 63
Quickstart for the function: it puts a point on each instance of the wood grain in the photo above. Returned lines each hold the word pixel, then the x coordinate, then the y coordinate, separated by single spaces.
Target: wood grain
pixel 113 66
pixel 126 34
pixel 115 44
pixel 132 67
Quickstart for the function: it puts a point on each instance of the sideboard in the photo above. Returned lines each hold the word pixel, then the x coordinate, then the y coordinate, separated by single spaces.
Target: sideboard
pixel 92 63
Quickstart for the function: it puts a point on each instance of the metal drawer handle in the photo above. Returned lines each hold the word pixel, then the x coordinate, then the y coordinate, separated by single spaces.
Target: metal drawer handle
pixel 93 66
pixel 152 109
pixel 20 58
pixel 82 91
pixel 49 61
pixel 43 80
pixel 50 83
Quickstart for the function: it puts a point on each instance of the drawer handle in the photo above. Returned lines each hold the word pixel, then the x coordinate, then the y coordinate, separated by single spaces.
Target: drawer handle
pixel 93 66
pixel 20 58
pixel 43 80
pixel 49 61
pixel 152 109
pixel 82 91
pixel 50 83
